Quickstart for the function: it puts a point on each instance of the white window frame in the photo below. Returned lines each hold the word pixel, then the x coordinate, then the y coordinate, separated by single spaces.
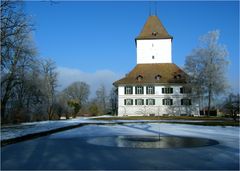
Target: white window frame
pixel 128 90
pixel 150 101
pixel 139 102
pixel 139 90
pixel 128 102
pixel 167 102
pixel 167 90
pixel 150 89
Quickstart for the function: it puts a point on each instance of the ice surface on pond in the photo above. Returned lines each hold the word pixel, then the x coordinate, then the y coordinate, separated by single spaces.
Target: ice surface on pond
pixel 146 141
pixel 70 150
pixel 218 133
pixel 12 131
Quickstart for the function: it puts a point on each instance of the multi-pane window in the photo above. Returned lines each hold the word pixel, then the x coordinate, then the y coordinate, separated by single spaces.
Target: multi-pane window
pixel 150 102
pixel 128 90
pixel 128 101
pixel 139 90
pixel 150 90
pixel 186 102
pixel 167 101
pixel 139 102
pixel 184 90
pixel 167 90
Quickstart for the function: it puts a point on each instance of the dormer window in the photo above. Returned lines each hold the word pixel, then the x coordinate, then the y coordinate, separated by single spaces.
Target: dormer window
pixel 178 76
pixel 157 77
pixel 154 33
pixel 152 57
pixel 139 77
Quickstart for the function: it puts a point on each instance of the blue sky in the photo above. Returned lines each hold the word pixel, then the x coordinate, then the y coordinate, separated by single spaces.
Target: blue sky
pixel 94 41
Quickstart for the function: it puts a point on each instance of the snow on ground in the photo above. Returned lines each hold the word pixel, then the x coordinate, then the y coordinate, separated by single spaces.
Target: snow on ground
pixel 13 131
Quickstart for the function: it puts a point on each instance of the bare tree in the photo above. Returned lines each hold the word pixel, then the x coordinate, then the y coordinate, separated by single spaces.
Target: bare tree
pixel 114 100
pixel 231 105
pixel 17 49
pixel 102 98
pixel 77 94
pixel 49 85
pixel 206 66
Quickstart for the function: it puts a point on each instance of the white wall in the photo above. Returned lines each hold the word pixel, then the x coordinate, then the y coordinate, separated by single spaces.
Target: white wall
pixel 158 108
pixel 161 49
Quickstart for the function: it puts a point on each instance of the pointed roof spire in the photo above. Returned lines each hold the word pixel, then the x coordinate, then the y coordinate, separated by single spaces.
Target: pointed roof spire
pixel 154 29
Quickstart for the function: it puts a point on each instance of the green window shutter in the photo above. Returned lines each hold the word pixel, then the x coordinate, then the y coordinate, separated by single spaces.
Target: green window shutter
pixel 181 101
pixel 190 102
pixel 147 102
pixel 181 90
pixel 135 101
pixel 153 90
pixel 153 101
pixel 163 90
pixel 125 90
pixel 171 101
pixel 171 90
pixel 125 102
pixel 142 101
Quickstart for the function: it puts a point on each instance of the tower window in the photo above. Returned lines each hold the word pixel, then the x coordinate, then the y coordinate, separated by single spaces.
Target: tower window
pixel 152 57
pixel 154 33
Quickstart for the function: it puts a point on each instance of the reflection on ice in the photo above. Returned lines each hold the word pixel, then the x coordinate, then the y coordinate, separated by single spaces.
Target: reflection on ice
pixel 151 141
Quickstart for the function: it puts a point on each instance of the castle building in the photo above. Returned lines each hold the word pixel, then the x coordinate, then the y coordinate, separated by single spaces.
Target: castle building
pixel 155 86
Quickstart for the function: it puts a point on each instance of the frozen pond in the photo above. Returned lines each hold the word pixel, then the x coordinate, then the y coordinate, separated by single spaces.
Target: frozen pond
pixel 146 141
pixel 216 148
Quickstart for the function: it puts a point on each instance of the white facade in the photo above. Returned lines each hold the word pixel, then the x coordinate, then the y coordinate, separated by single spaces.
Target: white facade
pixel 158 109
pixel 154 51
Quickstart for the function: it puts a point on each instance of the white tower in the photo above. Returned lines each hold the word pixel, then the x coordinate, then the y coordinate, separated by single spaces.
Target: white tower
pixel 154 44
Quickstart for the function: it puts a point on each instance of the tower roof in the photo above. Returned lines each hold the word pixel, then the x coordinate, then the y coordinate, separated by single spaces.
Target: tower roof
pixel 154 29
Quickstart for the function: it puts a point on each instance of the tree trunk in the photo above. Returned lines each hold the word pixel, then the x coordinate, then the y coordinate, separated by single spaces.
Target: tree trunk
pixel 209 100
pixel 3 109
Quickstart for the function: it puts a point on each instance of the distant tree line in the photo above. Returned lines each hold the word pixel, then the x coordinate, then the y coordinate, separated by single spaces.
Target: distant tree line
pixel 29 83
